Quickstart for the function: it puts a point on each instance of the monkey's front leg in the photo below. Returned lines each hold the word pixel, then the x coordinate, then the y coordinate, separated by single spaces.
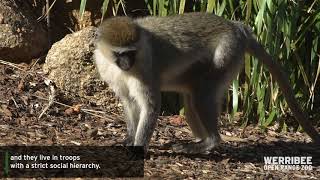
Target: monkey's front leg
pixel 132 112
pixel 148 100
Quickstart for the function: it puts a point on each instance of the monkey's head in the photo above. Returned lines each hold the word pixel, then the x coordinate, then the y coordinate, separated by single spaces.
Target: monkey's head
pixel 120 35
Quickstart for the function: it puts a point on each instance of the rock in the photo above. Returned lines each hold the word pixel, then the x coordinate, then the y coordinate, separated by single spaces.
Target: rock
pixel 21 36
pixel 70 65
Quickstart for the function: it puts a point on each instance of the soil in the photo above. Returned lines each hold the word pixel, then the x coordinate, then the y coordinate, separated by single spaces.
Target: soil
pixel 28 118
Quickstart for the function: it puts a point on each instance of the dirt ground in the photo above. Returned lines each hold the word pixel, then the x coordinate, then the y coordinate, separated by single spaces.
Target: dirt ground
pixel 24 94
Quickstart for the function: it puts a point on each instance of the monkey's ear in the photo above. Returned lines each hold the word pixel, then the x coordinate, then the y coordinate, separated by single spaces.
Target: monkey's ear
pixel 125 60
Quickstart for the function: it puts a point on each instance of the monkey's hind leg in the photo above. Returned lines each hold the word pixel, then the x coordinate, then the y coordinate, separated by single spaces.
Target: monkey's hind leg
pixel 204 105
pixel 193 119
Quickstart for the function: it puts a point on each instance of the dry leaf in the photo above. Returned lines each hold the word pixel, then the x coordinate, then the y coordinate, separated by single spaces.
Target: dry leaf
pixel 177 120
pixel 4 109
pixel 73 110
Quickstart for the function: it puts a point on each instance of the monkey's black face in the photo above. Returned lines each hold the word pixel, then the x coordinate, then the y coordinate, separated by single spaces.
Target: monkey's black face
pixel 125 60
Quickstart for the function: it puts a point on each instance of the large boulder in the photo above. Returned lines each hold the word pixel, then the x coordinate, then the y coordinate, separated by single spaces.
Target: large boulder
pixel 70 65
pixel 21 36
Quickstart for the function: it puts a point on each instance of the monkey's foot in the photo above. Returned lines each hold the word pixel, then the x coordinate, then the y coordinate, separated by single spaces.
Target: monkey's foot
pixel 197 148
pixel 128 141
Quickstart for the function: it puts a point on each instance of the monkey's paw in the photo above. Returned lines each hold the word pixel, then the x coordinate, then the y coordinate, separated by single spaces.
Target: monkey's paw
pixel 201 147
pixel 128 141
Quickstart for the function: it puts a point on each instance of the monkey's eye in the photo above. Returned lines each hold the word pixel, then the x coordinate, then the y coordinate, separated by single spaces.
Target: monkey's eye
pixel 125 60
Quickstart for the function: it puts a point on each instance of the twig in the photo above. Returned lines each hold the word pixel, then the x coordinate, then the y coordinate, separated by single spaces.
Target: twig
pixel 14 102
pixel 16 66
pixel 47 11
pixel 87 111
pixel 51 96
pixel 34 64
pixel 109 118
pixel 11 64
pixel 103 112
pixel 95 111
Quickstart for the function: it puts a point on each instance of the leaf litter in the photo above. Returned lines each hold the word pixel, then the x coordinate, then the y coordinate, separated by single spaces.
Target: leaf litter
pixel 71 120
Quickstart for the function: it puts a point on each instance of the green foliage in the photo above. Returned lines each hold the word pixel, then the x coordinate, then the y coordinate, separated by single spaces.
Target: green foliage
pixel 290 32
pixel 82 7
pixel 104 8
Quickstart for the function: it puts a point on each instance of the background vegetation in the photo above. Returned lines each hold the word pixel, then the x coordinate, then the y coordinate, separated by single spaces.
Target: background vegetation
pixel 289 29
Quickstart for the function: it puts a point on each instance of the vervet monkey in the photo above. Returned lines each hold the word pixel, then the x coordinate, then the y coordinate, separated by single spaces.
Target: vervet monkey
pixel 195 54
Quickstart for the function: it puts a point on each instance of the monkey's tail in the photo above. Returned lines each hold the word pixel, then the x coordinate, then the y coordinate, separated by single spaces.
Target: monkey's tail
pixel 256 49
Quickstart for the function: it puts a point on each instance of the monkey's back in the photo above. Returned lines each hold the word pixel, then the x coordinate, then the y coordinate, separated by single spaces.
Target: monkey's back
pixel 188 30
